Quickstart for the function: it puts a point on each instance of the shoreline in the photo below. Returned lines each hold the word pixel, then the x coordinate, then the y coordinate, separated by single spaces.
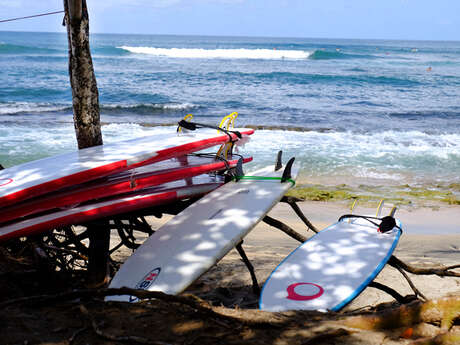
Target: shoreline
pixel 436 219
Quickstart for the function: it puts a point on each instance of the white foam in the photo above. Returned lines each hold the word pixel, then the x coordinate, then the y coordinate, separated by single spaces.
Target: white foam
pixel 22 107
pixel 166 106
pixel 388 155
pixel 269 54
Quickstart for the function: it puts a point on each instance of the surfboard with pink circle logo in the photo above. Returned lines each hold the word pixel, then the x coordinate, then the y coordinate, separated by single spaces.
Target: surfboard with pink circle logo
pixel 332 268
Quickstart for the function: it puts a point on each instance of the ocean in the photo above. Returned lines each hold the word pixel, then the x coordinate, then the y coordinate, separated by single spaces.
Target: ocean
pixel 361 113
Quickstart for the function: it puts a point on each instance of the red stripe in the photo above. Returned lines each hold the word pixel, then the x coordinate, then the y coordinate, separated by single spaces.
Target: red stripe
pixel 63 182
pixel 85 216
pixel 80 195
pixel 112 168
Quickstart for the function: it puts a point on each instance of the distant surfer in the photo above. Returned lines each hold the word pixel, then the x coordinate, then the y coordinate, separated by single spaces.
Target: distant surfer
pixel 429 69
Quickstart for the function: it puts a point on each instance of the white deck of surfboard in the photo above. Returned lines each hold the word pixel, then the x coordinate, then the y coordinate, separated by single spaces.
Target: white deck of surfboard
pixel 194 240
pixel 329 270
pixel 134 151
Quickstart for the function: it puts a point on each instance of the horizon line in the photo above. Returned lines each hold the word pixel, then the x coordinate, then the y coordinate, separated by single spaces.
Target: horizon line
pixel 243 36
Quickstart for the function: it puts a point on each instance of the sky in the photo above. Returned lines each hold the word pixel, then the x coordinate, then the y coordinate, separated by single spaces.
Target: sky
pixel 365 19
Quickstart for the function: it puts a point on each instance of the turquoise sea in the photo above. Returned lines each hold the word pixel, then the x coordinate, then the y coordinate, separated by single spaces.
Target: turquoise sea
pixel 355 112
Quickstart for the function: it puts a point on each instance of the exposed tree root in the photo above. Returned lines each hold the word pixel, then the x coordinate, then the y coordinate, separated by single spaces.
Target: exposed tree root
pixel 442 312
pixel 441 271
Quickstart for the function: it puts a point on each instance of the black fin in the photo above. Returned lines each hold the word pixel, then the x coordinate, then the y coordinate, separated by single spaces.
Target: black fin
pixel 1 167
pixel 239 169
pixel 279 165
pixel 287 170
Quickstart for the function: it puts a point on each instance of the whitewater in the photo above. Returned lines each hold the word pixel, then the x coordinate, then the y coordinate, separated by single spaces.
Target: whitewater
pixel 368 112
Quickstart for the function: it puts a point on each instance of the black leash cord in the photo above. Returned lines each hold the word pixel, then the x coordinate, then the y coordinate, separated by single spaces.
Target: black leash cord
pixel 194 125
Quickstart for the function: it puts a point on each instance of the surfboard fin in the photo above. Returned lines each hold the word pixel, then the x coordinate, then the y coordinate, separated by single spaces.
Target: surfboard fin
pixel 279 165
pixel 379 208
pixel 239 172
pixel 393 211
pixel 353 205
pixel 287 173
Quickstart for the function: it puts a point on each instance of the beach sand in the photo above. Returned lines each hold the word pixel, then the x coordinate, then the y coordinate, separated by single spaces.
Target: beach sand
pixel 62 321
pixel 431 237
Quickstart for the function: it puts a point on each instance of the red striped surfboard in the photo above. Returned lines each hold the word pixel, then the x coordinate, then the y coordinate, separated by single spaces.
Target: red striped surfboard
pixel 159 195
pixel 42 176
pixel 127 181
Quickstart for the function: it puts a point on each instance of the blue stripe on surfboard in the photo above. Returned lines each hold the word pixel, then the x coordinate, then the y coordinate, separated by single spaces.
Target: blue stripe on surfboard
pixel 371 276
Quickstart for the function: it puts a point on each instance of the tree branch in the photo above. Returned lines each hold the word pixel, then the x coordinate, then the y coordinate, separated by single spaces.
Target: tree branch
pixel 441 271
pixel 285 228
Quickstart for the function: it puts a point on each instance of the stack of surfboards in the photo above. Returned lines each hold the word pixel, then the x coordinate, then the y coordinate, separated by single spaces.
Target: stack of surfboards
pixel 100 181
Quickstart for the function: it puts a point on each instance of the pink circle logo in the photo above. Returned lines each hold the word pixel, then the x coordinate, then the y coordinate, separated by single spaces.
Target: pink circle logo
pixel 312 291
pixel 5 181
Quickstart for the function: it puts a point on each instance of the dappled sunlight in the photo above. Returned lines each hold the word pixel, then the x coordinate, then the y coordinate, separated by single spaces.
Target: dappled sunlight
pixel 340 261
pixel 166 193
pixel 93 162
pixel 194 240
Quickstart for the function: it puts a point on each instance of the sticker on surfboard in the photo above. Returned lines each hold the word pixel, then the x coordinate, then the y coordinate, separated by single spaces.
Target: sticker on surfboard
pixel 5 181
pixel 146 282
pixel 304 291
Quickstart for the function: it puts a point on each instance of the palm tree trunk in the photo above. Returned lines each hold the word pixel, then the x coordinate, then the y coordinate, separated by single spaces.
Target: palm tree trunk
pixel 85 96
pixel 85 100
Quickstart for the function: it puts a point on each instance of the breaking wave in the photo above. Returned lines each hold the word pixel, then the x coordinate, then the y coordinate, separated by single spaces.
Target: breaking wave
pixel 197 53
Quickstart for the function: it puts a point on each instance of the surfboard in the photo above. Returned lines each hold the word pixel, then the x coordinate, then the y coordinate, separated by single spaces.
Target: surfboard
pixel 193 241
pixel 330 269
pixel 124 182
pixel 159 195
pixel 48 174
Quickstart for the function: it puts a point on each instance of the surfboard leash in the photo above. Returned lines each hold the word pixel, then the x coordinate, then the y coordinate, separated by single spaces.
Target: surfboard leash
pixel 387 223
pixel 192 126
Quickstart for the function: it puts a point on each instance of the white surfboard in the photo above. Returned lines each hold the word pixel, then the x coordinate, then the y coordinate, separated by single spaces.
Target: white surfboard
pixel 330 269
pixel 193 241
pixel 46 175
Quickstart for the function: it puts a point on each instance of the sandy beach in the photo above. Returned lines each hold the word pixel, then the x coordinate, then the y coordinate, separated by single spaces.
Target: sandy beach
pixel 230 315
pixel 431 237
